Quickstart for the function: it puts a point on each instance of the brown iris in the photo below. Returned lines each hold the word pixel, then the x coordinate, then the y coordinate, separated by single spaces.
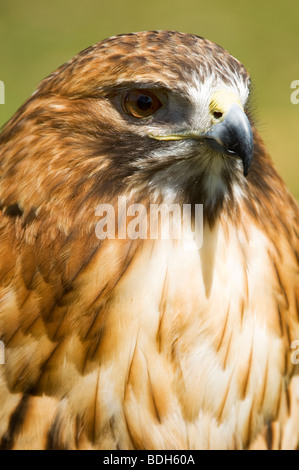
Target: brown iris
pixel 141 103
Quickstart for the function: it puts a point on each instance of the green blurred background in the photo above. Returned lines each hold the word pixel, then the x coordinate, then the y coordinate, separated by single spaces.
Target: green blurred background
pixel 37 36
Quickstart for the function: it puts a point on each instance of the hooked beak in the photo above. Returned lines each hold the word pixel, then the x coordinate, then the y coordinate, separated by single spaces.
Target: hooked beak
pixel 233 136
pixel 230 133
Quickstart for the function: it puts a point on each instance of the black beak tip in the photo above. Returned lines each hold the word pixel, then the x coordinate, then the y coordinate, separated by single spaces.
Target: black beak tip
pixel 247 158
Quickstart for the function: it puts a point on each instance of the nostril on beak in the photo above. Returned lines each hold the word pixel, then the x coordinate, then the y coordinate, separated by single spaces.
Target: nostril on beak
pixel 217 115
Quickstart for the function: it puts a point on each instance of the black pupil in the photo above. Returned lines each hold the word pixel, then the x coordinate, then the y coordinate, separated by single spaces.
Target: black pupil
pixel 144 102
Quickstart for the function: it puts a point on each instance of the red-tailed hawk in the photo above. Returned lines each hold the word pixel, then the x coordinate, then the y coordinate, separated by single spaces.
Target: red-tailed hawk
pixel 123 343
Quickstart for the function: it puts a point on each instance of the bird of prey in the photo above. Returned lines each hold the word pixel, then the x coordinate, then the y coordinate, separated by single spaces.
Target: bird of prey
pixel 138 342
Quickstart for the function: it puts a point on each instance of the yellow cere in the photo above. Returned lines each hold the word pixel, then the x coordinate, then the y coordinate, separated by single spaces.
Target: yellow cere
pixel 222 100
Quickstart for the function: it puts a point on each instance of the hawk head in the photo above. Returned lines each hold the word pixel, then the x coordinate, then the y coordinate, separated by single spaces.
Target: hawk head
pixel 159 114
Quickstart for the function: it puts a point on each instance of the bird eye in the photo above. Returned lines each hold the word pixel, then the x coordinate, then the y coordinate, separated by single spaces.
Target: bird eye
pixel 141 103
